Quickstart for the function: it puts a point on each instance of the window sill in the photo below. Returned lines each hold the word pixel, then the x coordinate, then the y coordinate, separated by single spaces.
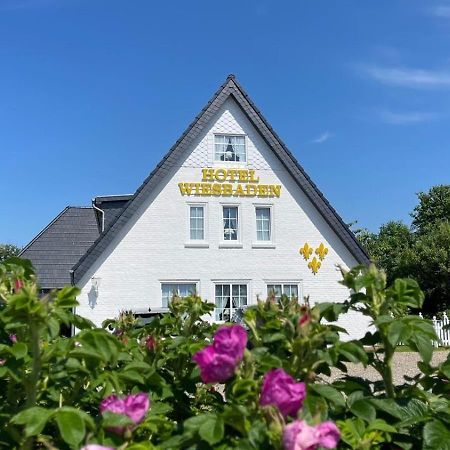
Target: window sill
pixel 230 245
pixel 196 245
pixel 263 245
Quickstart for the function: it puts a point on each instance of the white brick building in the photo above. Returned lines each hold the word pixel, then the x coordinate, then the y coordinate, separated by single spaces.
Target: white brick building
pixel 226 213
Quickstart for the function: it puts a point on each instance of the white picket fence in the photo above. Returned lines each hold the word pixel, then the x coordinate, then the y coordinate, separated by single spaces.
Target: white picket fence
pixel 442 330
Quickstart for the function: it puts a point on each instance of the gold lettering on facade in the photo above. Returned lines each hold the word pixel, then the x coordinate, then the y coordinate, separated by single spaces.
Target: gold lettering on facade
pixel 220 181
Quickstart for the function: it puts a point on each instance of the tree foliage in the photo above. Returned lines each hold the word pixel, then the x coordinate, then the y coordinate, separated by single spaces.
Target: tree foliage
pixel 433 207
pixel 7 251
pixel 422 251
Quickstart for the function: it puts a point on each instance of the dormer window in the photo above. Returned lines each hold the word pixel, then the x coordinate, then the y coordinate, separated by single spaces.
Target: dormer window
pixel 229 148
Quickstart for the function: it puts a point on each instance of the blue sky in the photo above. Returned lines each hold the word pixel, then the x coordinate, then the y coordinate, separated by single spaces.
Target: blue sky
pixel 94 92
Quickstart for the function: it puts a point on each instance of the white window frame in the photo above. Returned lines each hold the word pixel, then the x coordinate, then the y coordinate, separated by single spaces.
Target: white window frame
pixel 197 243
pixel 231 244
pixel 178 281
pixel 228 163
pixel 230 283
pixel 264 244
pixel 298 283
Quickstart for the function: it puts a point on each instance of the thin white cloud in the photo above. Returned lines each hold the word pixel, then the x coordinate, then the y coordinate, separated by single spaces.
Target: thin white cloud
pixel 442 11
pixel 406 117
pixel 322 138
pixel 407 77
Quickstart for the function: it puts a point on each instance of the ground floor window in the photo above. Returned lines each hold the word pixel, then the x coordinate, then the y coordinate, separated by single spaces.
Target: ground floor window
pixel 230 299
pixel 169 290
pixel 291 290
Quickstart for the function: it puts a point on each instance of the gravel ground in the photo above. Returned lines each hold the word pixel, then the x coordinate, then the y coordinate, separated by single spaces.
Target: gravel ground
pixel 404 363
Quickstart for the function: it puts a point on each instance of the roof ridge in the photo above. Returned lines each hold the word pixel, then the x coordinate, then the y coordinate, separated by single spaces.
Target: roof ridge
pixel 43 231
pixel 300 167
pixel 229 88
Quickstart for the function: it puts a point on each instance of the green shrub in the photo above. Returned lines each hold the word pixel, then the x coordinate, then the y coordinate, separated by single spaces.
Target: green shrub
pixel 95 387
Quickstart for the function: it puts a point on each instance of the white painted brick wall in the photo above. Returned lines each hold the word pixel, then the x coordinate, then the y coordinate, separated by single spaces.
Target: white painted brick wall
pixel 151 247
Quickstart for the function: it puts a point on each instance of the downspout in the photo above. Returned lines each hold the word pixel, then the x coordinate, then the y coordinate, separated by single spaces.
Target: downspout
pixel 72 282
pixel 102 213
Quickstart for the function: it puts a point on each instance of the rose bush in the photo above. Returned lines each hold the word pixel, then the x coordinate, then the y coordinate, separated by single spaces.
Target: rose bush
pixel 181 382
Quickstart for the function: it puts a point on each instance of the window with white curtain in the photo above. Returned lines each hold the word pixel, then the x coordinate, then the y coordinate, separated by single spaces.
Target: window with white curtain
pixel 230 299
pixel 263 224
pixel 229 148
pixel 230 223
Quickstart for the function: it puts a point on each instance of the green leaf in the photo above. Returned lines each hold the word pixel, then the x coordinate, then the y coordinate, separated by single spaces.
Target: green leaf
pixel 236 417
pixel 436 436
pixel 53 327
pixel 243 389
pixel 212 429
pixel 330 311
pixel 19 350
pixel 406 292
pixel 363 409
pixel 34 419
pixel 274 337
pixel 71 426
pixel 353 352
pixel 131 375
pixel 395 330
pixel 328 392
pixel 81 322
pixel 112 420
pixel 141 446
pixel 414 412
pixel 387 405
pixel 445 368
pixel 381 425
pixel 424 346
pixel 352 431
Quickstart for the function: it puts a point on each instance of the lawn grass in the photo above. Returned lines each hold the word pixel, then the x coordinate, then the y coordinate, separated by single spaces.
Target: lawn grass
pixel 405 348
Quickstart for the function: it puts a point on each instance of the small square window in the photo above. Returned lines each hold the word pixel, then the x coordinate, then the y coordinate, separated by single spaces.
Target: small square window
pixel 230 223
pixel 196 223
pixel 229 148
pixel 263 224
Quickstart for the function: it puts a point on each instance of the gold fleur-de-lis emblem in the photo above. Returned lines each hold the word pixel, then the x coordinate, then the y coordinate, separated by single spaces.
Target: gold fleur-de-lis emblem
pixel 314 265
pixel 321 251
pixel 306 251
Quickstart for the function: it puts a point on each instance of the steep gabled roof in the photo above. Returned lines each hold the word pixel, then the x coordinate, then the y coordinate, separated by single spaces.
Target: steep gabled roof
pixel 60 245
pixel 231 88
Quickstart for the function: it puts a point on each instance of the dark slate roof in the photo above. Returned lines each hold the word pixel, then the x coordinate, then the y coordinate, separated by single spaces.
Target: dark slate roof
pixel 112 206
pixel 231 88
pixel 59 246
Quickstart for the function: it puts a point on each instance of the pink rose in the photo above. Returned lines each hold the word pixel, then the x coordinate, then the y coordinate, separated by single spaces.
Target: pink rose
pixel 150 343
pixel 95 447
pixel 214 367
pixel 281 390
pixel 134 406
pixel 304 319
pixel 18 285
pixel 299 435
pixel 329 434
pixel 13 338
pixel 231 340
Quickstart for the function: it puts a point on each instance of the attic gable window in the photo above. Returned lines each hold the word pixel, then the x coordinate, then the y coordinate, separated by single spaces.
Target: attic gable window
pixel 229 148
